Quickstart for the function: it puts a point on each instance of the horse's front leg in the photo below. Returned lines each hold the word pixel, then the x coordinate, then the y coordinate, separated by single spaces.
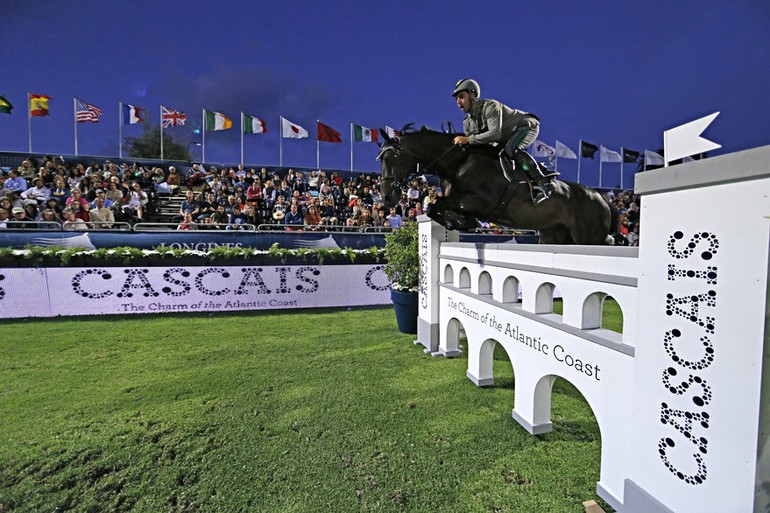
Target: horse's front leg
pixel 448 214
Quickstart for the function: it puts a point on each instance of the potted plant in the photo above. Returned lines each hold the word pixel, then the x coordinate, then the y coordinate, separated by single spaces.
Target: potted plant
pixel 403 271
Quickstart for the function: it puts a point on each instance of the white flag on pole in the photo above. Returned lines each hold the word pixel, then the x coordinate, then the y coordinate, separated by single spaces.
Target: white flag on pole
pixel 652 159
pixel 291 131
pixel 392 132
pixel 563 151
pixel 608 155
pixel 543 150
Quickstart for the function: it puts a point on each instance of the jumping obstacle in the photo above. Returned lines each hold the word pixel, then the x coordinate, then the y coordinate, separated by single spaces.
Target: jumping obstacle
pixel 681 395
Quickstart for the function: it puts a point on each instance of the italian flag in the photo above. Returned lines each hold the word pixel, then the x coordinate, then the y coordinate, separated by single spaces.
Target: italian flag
pixel 252 125
pixel 217 121
pixel 363 134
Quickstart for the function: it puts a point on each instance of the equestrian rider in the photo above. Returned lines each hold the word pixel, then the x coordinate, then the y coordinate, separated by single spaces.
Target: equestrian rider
pixel 489 121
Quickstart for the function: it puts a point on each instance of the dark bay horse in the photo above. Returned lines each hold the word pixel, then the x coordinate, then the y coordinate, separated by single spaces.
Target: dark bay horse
pixel 475 188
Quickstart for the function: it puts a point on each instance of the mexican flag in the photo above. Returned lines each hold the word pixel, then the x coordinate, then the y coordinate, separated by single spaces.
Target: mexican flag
pixel 363 134
pixel 252 125
pixel 217 121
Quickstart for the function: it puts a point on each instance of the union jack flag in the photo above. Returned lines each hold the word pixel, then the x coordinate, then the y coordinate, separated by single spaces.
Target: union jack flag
pixel 86 112
pixel 172 117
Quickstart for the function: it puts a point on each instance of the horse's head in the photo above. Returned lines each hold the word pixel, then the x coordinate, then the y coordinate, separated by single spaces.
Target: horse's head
pixel 396 166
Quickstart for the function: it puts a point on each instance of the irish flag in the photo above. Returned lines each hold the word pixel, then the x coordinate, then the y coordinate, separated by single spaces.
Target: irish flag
pixel 363 134
pixel 252 125
pixel 217 121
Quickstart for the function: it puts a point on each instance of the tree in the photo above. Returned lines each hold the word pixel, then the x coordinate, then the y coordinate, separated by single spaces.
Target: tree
pixel 147 145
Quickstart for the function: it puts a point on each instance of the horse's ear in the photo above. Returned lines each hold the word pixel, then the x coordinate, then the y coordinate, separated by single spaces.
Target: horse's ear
pixel 385 136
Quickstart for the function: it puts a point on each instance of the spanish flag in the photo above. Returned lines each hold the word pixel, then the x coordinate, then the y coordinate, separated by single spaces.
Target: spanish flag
pixel 38 104
pixel 5 106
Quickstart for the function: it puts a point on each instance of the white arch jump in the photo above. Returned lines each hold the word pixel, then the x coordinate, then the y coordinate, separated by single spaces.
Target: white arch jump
pixel 680 396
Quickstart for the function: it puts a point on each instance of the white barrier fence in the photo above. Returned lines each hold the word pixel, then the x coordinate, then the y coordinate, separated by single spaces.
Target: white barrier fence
pixel 681 395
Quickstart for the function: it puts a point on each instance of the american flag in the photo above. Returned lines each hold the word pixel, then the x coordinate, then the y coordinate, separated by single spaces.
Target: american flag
pixel 172 117
pixel 86 112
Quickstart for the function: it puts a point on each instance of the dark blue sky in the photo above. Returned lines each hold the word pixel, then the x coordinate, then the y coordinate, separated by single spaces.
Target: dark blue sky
pixel 611 73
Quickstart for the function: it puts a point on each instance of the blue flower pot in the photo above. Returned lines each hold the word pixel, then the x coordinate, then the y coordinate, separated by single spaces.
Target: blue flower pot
pixel 405 305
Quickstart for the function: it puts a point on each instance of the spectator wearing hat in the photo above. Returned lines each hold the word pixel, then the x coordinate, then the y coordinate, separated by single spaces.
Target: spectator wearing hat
pixel 38 194
pixel 101 194
pixel 20 219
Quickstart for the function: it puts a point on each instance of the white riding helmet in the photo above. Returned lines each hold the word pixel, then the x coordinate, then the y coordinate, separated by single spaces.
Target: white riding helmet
pixel 467 84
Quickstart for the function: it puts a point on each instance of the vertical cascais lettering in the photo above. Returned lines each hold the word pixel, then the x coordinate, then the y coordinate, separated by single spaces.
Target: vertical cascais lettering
pixel 690 424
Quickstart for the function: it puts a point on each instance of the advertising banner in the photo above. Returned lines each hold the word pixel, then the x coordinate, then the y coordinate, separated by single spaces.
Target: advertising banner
pixel 140 290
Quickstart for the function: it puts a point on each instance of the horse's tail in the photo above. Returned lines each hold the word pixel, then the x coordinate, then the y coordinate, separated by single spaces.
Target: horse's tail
pixel 613 221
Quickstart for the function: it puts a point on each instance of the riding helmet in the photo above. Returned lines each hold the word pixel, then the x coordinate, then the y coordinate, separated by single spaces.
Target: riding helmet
pixel 467 84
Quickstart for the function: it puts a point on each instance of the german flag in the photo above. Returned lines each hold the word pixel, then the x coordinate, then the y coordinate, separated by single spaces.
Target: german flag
pixel 5 106
pixel 38 104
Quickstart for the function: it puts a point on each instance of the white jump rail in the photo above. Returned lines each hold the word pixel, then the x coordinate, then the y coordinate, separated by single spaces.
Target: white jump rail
pixel 681 395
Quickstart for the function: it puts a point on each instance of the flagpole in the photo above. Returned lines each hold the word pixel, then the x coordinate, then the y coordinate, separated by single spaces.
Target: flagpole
pixel 120 129
pixel 241 137
pixel 601 148
pixel 161 132
pixel 317 146
pixel 351 146
pixel 580 157
pixel 644 166
pixel 556 158
pixel 29 119
pixel 280 143
pixel 622 161
pixel 203 146
pixel 75 118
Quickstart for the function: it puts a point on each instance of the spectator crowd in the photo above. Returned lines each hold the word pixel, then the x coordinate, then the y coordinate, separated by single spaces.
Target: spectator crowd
pixel 97 196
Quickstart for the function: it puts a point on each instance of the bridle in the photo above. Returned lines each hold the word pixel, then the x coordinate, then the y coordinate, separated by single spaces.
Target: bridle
pixel 399 152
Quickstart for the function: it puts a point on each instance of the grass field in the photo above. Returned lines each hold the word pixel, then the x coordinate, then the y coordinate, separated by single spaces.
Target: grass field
pixel 301 412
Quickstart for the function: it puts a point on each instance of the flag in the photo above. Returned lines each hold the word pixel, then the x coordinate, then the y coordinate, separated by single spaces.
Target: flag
pixel 563 151
pixel 252 125
pixel 85 112
pixel 363 134
pixel 607 155
pixel 587 150
pixel 292 131
pixel 543 150
pixel 5 106
pixel 328 134
pixel 392 132
pixel 652 158
pixel 217 121
pixel 172 117
pixel 131 114
pixel 630 156
pixel 38 104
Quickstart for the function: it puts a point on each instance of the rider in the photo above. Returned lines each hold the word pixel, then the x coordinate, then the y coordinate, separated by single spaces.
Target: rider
pixel 489 121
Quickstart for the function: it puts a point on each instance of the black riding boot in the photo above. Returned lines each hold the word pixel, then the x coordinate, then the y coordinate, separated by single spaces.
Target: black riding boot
pixel 544 185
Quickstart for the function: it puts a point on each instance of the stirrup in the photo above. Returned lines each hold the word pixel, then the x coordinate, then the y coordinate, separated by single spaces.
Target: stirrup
pixel 539 194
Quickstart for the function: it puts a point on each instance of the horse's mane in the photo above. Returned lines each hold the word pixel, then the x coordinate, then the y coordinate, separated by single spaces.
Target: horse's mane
pixel 409 131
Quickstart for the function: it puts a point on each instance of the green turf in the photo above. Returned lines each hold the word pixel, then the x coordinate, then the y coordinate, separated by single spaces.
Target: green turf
pixel 299 412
